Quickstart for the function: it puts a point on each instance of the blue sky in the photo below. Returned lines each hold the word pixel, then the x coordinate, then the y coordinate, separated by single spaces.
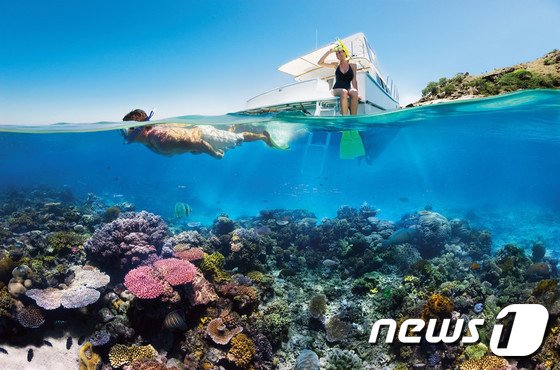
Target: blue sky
pixel 91 61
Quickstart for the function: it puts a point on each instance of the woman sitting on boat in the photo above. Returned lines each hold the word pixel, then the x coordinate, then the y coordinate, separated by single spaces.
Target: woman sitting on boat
pixel 175 138
pixel 346 85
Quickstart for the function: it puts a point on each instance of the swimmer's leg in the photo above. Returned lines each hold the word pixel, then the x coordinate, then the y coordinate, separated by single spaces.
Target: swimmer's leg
pixel 205 147
pixel 343 95
pixel 353 93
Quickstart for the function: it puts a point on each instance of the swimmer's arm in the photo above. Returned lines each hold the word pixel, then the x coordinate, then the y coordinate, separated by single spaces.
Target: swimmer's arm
pixel 322 62
pixel 207 148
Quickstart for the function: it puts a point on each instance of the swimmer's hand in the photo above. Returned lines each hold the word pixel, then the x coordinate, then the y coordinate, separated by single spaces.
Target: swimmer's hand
pixel 218 154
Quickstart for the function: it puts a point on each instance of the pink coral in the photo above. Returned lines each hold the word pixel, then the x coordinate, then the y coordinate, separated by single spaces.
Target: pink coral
pixel 176 271
pixel 143 284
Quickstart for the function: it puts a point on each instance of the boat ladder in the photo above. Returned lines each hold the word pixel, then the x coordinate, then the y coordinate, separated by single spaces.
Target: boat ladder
pixel 315 154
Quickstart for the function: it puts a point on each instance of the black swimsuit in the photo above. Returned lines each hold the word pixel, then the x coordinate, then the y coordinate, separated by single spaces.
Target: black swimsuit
pixel 343 80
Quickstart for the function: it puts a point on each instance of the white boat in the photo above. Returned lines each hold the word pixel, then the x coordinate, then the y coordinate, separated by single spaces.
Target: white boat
pixel 311 91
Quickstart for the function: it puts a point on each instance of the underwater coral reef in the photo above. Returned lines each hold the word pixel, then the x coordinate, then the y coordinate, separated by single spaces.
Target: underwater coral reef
pixel 279 290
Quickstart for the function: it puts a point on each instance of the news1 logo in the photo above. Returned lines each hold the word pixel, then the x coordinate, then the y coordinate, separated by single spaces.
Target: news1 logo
pixel 525 337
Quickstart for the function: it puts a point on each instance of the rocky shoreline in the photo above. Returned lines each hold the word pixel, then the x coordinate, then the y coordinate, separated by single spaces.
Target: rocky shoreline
pixel 541 73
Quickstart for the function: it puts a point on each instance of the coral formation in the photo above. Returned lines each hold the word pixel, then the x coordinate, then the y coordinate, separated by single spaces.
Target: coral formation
pixel 318 306
pixel 484 363
pixel 150 282
pixel 219 333
pixel 307 360
pixel 30 317
pixel 129 240
pixel 120 355
pixel 89 360
pixel 242 351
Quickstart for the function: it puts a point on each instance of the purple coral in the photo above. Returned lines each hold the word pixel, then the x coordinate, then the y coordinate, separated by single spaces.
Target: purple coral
pixel 100 338
pixel 129 240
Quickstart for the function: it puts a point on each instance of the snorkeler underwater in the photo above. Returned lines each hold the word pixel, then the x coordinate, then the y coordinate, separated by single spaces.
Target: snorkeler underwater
pixel 387 199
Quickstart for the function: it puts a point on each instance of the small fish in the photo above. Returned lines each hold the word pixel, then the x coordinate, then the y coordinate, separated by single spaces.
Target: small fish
pixel 59 322
pixel 2 350
pixel 46 342
pixel 403 199
pixel 182 210
pixel 282 222
pixel 116 178
pixel 194 224
pixel 81 340
pixel 182 186
pixel 264 200
pixel 29 355
pixel 174 321
pixel 69 343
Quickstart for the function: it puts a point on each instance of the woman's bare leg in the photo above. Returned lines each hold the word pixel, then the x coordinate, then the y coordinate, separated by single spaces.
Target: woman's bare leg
pixel 343 95
pixel 251 136
pixel 353 101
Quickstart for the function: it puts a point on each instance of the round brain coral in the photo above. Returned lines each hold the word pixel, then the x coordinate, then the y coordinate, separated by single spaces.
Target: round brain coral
pixel 143 284
pixel 30 317
pixel 176 271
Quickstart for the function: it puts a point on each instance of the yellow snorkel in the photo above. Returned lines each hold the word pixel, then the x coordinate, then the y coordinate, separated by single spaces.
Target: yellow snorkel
pixel 342 47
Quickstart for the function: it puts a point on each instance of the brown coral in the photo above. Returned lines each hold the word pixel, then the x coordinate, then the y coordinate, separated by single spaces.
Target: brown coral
pixel 485 363
pixel 545 286
pixel 120 354
pixel 438 306
pixel 219 333
pixel 30 317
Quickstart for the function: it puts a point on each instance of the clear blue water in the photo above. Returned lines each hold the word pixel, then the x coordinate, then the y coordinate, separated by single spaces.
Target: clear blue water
pixel 496 158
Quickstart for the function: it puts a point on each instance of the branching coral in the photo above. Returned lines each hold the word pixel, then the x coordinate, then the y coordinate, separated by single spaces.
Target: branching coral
pixel 337 330
pixel 150 282
pixel 318 306
pixel 484 363
pixel 437 306
pixel 129 240
pixel 213 264
pixel 242 351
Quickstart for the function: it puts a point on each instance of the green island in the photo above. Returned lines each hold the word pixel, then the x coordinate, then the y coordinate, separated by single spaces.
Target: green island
pixel 541 73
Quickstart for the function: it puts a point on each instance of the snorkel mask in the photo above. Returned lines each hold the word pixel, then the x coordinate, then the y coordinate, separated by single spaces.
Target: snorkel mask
pixel 341 47
pixel 130 136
